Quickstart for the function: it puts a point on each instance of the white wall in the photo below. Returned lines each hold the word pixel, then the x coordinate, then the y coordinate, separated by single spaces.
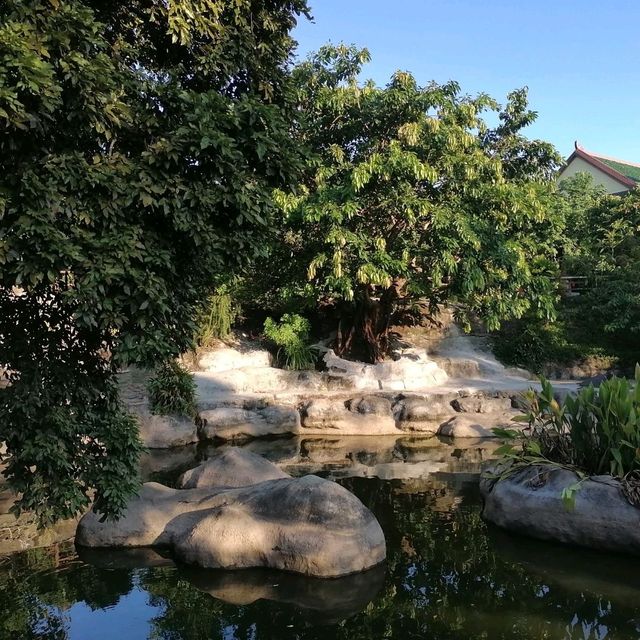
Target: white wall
pixel 578 165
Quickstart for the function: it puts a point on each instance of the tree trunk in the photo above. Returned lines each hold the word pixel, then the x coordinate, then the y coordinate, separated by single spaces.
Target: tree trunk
pixel 364 332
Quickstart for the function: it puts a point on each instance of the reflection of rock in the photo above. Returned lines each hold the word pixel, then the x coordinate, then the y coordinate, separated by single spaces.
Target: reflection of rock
pixel 128 558
pixel 231 468
pixel 575 569
pixel 335 599
pixel 530 502
pixel 305 525
pixel 164 432
pixel 477 425
pixel 157 464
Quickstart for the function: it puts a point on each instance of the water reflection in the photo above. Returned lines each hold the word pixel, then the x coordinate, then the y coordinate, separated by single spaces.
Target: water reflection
pixel 448 575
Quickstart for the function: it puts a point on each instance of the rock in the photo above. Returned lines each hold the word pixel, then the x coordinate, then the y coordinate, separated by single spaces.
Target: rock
pixel 482 403
pixel 164 432
pixel 530 502
pixel 233 423
pixel 330 416
pixel 370 405
pixel 479 425
pixel 226 358
pixel 305 525
pixel 423 408
pixel 232 468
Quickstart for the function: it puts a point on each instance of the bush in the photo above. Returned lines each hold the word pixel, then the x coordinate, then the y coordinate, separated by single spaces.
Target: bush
pixel 172 391
pixel 291 335
pixel 596 431
pixel 217 317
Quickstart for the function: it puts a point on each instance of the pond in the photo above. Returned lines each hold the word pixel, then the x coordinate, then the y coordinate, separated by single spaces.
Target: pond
pixel 448 574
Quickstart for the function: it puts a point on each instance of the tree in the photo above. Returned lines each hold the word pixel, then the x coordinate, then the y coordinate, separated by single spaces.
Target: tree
pixel 409 196
pixel 139 146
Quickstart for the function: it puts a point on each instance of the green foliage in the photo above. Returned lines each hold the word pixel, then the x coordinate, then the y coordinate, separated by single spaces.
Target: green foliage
pixel 595 431
pixel 291 335
pixel 409 195
pixel 217 317
pixel 172 391
pixel 140 144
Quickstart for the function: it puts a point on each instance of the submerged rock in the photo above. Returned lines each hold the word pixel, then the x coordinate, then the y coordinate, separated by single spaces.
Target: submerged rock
pixel 307 525
pixel 530 502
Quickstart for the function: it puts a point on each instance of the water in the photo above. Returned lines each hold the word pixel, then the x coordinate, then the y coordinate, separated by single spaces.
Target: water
pixel 448 574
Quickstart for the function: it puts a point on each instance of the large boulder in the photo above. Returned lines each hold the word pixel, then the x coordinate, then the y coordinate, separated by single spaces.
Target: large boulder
pixel 483 403
pixel 306 525
pixel 164 432
pixel 232 468
pixel 225 358
pixel 530 502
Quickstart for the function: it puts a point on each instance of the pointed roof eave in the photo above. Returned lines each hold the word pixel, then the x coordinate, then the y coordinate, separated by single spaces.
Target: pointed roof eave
pixel 579 152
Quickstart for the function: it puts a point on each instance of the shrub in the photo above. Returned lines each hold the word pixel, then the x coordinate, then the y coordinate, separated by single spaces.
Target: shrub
pixel 217 316
pixel 291 335
pixel 172 391
pixel 596 431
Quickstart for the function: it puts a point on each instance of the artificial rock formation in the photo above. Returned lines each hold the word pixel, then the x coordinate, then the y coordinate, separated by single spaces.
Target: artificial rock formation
pixel 305 525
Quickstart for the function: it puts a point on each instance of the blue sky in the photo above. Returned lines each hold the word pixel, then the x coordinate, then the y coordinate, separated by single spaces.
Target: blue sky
pixel 579 58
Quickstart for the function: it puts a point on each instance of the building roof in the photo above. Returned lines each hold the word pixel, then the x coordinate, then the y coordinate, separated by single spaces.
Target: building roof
pixel 627 173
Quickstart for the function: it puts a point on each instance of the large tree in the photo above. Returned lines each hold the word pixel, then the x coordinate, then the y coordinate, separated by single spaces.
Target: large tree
pixel 140 143
pixel 409 196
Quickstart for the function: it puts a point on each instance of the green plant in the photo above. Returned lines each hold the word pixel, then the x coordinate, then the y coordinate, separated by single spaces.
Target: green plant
pixel 593 432
pixel 172 391
pixel 217 317
pixel 291 335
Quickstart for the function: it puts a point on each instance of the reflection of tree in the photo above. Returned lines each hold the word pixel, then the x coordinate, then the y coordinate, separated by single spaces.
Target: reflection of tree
pixel 38 586
pixel 448 576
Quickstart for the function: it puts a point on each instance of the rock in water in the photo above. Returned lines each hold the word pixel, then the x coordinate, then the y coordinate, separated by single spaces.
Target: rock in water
pixel 306 525
pixel 231 469
pixel 530 502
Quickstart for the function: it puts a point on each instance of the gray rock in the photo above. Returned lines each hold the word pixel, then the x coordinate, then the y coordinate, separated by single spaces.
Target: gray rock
pixel 306 525
pixel 232 468
pixel 164 432
pixel 477 425
pixel 423 408
pixel 530 502
pixel 482 403
pixel 331 416
pixel 370 405
pixel 234 423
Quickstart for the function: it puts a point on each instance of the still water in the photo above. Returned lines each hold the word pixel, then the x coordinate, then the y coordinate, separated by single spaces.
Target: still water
pixel 448 574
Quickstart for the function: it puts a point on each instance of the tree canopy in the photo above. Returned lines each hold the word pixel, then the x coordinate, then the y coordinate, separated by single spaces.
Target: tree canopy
pixel 140 144
pixel 409 196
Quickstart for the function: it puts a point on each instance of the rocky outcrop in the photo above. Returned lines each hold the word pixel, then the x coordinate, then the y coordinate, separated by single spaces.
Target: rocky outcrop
pixel 231 468
pixel 305 525
pixel 450 414
pixel 530 502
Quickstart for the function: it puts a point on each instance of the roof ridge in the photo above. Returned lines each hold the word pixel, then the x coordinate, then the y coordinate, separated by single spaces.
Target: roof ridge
pixel 611 158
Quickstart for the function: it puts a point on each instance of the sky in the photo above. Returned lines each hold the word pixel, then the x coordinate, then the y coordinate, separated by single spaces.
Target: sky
pixel 579 58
